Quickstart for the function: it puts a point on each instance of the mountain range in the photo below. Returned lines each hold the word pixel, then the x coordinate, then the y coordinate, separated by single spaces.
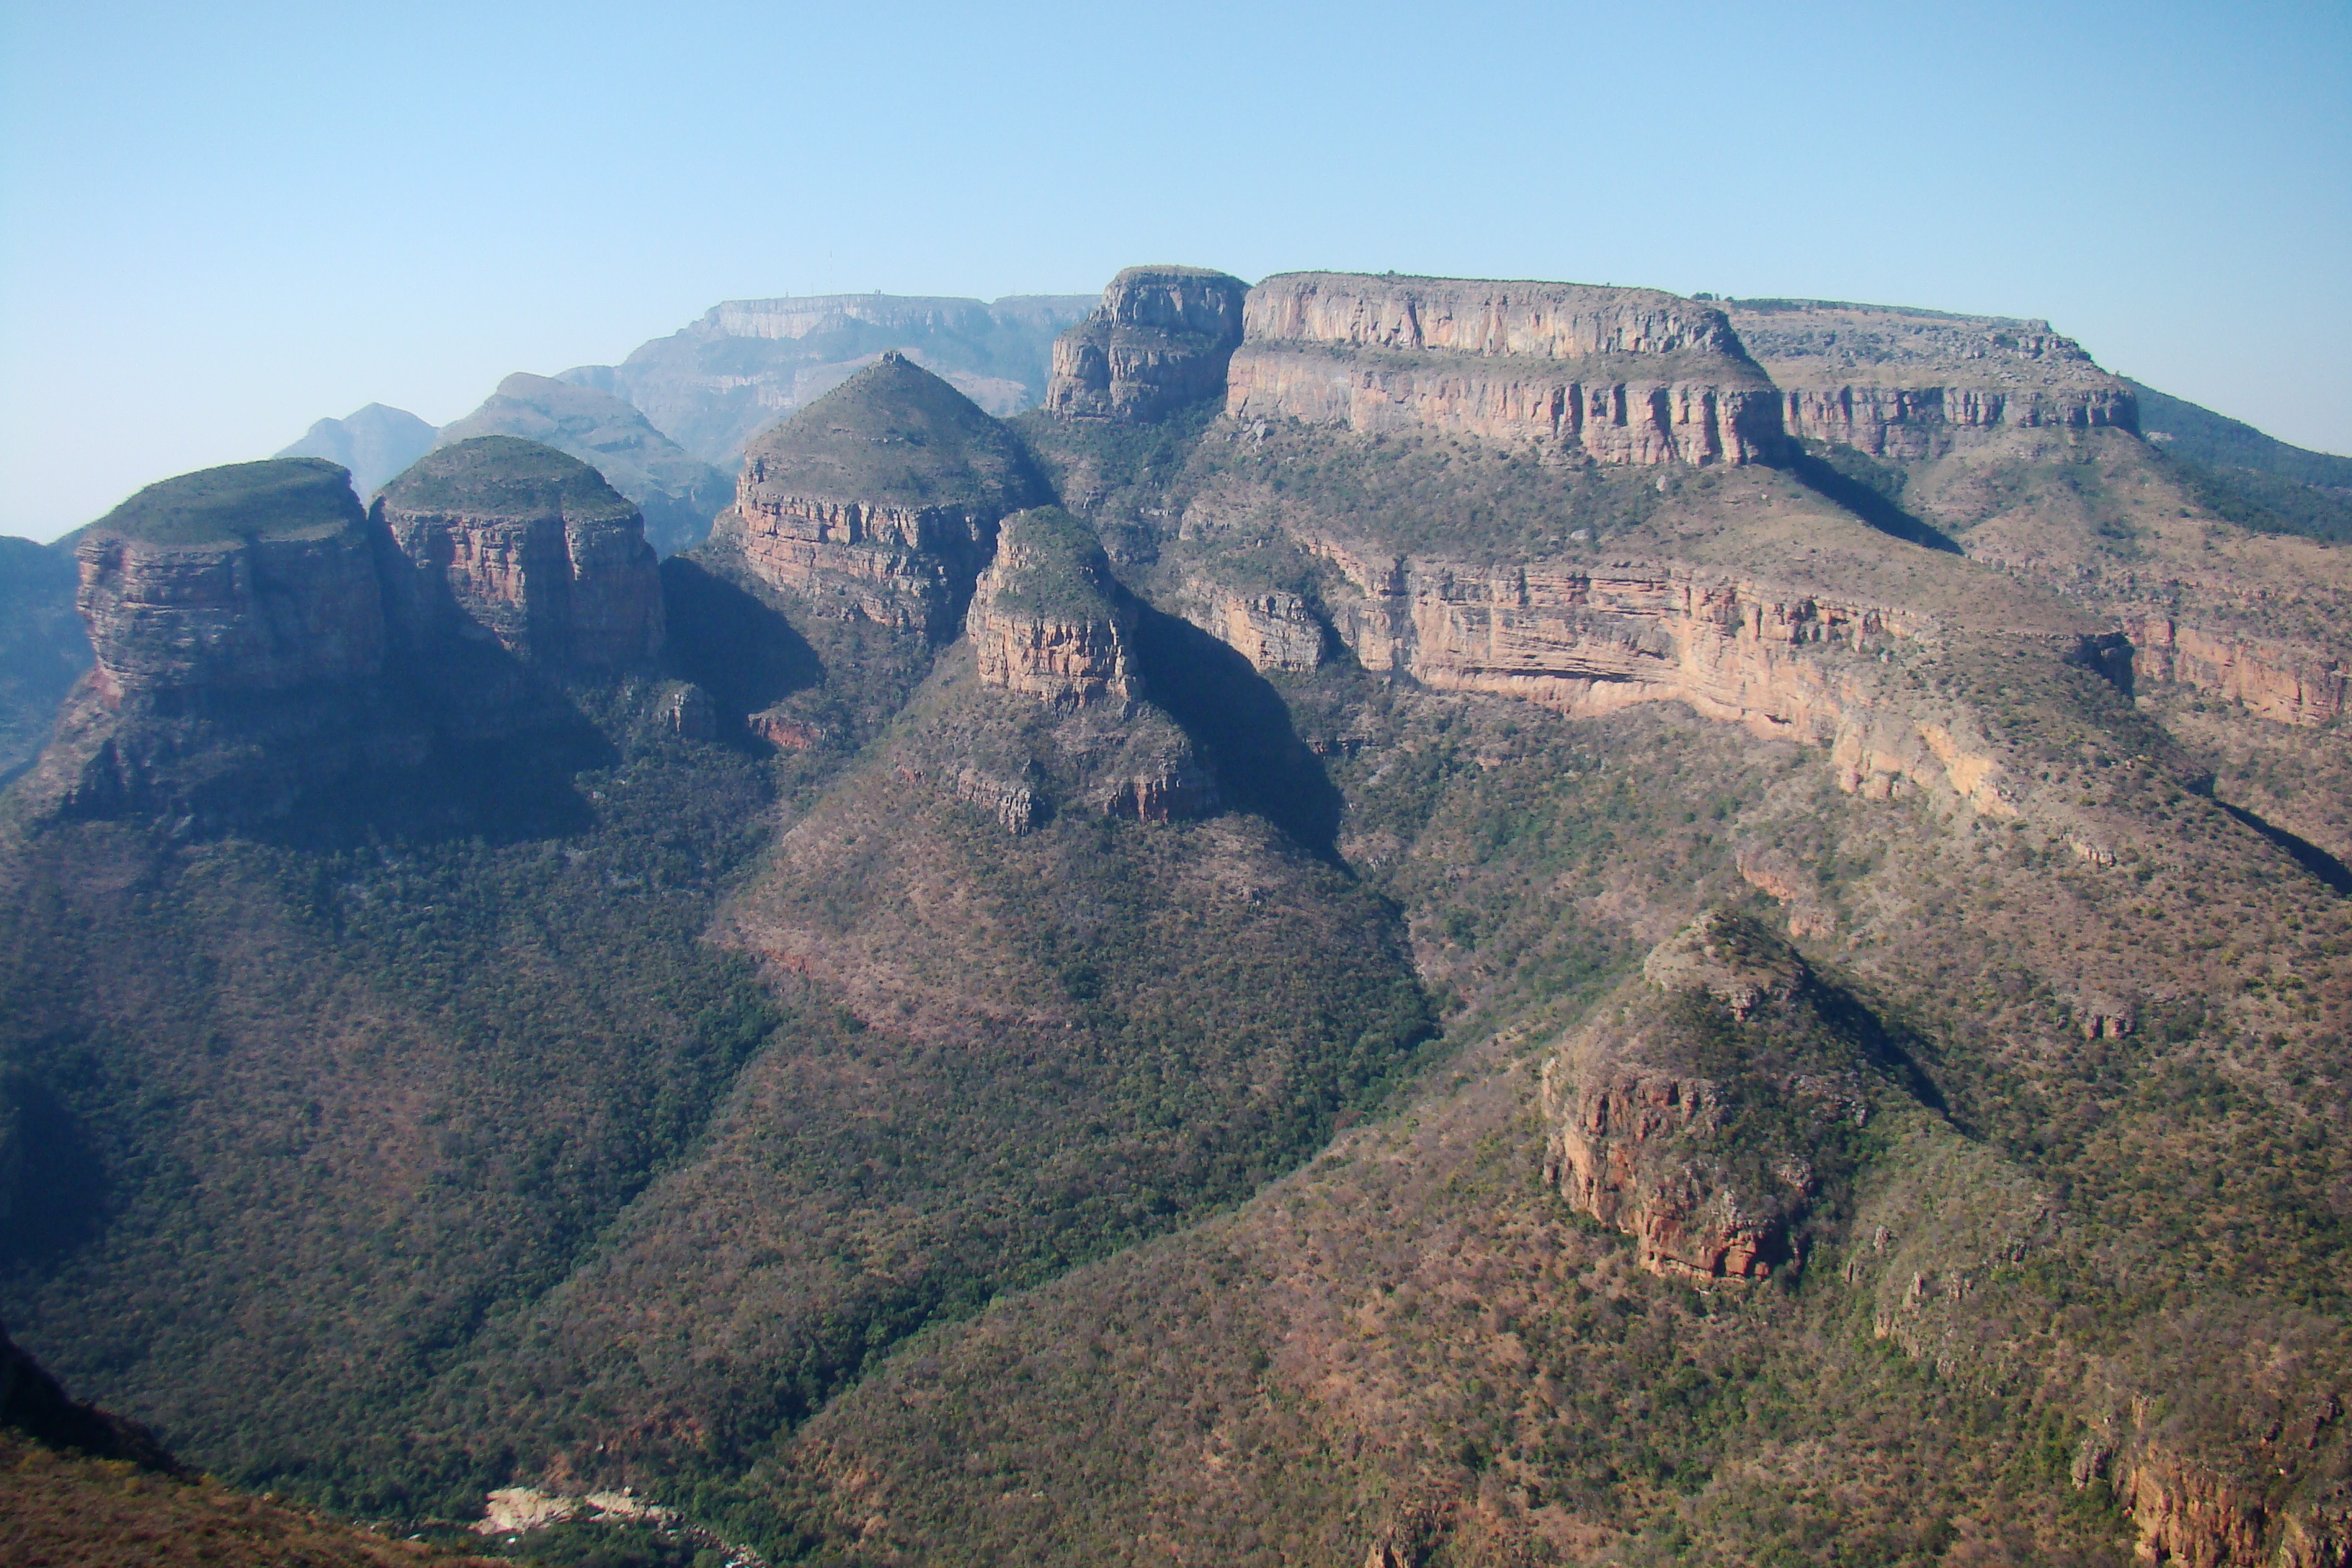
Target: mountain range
pixel 1387 920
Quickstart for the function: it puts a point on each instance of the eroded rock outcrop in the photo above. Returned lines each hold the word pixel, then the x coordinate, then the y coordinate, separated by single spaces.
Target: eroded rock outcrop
pixel 1159 340
pixel 1908 385
pixel 879 502
pixel 253 577
pixel 1614 375
pixel 1701 1111
pixel 2277 679
pixel 501 541
pixel 1048 619
pixel 1587 640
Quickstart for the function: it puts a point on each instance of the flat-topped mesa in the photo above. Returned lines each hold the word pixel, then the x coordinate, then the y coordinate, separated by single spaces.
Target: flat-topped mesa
pixel 1047 618
pixel 1618 375
pixel 499 540
pixel 879 500
pixel 1159 340
pixel 250 578
pixel 1916 384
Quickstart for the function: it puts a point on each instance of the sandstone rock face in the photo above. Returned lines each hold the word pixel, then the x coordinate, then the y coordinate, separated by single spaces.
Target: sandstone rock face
pixel 1909 385
pixel 879 502
pixel 254 577
pixel 497 540
pixel 1591 640
pixel 1159 340
pixel 1614 375
pixel 1048 619
pixel 1650 1136
pixel 2275 679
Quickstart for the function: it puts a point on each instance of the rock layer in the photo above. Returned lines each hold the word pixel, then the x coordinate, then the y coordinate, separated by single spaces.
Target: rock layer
pixel 256 577
pixel 1616 375
pixel 1048 620
pixel 2279 680
pixel 1159 340
pixel 1910 385
pixel 880 501
pixel 501 541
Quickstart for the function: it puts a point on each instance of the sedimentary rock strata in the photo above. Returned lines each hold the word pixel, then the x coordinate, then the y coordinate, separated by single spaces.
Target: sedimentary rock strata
pixel 1615 375
pixel 497 540
pixel 879 502
pixel 1048 619
pixel 256 577
pixel 2279 680
pixel 1915 384
pixel 1158 341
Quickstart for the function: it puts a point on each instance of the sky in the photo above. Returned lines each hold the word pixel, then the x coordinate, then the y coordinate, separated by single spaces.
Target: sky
pixel 220 222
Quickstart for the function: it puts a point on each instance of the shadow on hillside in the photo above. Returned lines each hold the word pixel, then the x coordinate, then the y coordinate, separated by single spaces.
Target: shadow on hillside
pixel 726 640
pixel 52 1187
pixel 1241 722
pixel 2309 856
pixel 1870 505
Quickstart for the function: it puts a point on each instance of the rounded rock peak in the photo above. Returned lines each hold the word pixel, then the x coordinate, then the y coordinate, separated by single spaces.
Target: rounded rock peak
pixel 893 434
pixel 279 497
pixel 505 477
pixel 1730 957
pixel 1177 298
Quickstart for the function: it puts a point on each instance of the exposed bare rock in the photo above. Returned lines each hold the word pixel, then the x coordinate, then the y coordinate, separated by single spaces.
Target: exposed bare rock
pixel 1914 384
pixel 1159 340
pixel 501 541
pixel 2275 677
pixel 1273 628
pixel 1048 620
pixel 1774 872
pixel 879 502
pixel 1616 375
pixel 1665 1110
pixel 254 577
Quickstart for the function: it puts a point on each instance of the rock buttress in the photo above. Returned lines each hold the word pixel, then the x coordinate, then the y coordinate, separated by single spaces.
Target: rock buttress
pixel 1159 340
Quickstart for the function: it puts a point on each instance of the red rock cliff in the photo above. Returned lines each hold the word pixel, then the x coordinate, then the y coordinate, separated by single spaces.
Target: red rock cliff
pixel 1159 340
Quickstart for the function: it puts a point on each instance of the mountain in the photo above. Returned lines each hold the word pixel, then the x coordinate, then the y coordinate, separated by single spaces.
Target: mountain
pixel 677 494
pixel 374 444
pixel 2248 477
pixel 746 364
pixel 43 648
pixel 1419 920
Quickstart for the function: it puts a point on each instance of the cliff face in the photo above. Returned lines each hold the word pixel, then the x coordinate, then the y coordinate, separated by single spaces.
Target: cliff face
pixel 500 541
pixel 257 577
pixel 1909 385
pixel 2279 680
pixel 1616 375
pixel 677 493
pixel 1659 1125
pixel 880 501
pixel 1159 340
pixel 1048 619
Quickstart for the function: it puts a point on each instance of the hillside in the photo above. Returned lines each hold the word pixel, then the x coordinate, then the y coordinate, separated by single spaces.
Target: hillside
pixel 1422 921
pixel 2248 477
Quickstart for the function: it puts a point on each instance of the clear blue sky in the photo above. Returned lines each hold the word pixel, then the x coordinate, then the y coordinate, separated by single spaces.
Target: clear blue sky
pixel 223 221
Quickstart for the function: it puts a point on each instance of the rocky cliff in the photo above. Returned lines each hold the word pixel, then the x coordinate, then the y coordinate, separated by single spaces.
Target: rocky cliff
pixel 879 502
pixel 677 493
pixel 1159 340
pixel 1048 619
pixel 1701 1111
pixel 497 540
pixel 1614 375
pixel 1909 385
pixel 254 577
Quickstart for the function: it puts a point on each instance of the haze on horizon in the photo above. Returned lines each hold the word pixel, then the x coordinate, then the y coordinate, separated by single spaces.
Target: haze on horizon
pixel 222 225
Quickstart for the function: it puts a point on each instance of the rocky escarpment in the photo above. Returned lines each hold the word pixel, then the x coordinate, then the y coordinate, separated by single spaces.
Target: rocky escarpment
pixel 1048 619
pixel 1703 1111
pixel 501 542
pixel 1159 340
pixel 677 493
pixel 1908 385
pixel 1612 375
pixel 2277 679
pixel 1591 639
pixel 879 502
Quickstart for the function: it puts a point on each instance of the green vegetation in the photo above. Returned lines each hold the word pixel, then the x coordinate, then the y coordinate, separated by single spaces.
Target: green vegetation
pixel 505 477
pixel 282 497
pixel 895 435
pixel 1048 562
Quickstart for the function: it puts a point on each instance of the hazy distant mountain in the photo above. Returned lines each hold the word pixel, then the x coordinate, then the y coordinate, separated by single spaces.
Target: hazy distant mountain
pixel 748 363
pixel 374 444
pixel 677 491
pixel 2250 477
